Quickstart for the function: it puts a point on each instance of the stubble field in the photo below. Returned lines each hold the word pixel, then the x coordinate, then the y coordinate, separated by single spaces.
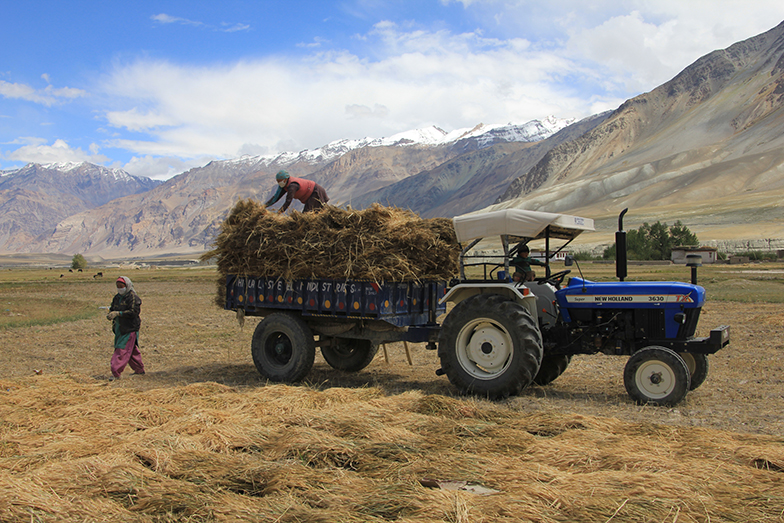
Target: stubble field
pixel 201 437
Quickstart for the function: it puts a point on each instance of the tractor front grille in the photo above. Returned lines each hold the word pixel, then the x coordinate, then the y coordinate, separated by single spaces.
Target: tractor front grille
pixel 649 323
pixel 689 328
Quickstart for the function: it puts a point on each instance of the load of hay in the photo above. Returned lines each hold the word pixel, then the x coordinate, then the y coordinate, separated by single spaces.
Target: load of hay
pixel 378 244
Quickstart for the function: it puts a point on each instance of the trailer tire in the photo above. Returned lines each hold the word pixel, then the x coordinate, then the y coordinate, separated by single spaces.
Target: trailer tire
pixel 283 348
pixel 552 366
pixel 656 375
pixel 490 346
pixel 698 367
pixel 349 354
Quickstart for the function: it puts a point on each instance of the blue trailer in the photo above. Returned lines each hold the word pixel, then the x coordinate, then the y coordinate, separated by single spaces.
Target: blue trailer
pixel 351 319
pixel 501 335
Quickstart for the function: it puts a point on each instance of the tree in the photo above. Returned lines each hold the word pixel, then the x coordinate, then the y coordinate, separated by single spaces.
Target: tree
pixel 682 236
pixel 78 262
pixel 654 242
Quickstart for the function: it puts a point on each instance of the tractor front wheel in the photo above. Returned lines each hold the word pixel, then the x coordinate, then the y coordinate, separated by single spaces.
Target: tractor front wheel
pixel 698 367
pixel 490 346
pixel 656 375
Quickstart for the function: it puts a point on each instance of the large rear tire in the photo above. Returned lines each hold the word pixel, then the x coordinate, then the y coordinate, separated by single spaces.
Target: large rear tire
pixel 350 355
pixel 283 348
pixel 490 346
pixel 656 375
pixel 698 367
pixel 552 366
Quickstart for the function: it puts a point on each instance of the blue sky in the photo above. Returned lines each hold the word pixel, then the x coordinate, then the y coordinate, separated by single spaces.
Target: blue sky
pixel 159 87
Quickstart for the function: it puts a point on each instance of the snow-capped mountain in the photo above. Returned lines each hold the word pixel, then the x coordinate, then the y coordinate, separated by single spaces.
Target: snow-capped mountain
pixel 485 135
pixel 35 198
pixel 86 168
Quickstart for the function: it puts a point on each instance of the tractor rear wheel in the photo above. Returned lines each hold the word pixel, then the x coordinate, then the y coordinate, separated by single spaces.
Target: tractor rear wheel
pixel 552 367
pixel 349 354
pixel 283 347
pixel 656 375
pixel 490 346
pixel 698 367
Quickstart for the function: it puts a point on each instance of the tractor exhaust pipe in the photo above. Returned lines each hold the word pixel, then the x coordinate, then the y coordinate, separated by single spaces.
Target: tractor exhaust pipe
pixel 620 249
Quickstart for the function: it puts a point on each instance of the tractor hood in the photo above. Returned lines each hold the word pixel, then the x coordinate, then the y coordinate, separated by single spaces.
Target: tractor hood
pixel 519 223
pixel 585 293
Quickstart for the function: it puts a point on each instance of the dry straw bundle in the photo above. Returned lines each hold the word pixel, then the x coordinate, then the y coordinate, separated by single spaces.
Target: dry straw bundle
pixel 378 244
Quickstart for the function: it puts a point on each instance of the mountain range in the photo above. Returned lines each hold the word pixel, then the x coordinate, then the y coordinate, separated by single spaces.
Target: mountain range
pixel 704 148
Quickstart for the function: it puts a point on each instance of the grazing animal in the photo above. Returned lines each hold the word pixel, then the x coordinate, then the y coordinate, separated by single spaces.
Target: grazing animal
pixel 99 275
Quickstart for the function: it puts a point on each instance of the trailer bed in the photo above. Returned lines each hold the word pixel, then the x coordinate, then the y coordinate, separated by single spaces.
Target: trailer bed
pixel 400 304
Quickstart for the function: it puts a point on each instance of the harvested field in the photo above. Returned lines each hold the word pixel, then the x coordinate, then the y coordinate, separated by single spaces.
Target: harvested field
pixel 201 438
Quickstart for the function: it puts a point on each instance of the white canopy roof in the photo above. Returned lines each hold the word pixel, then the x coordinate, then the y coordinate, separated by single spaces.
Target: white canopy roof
pixel 519 223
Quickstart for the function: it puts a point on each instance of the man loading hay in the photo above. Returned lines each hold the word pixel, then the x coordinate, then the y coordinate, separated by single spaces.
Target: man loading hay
pixel 307 191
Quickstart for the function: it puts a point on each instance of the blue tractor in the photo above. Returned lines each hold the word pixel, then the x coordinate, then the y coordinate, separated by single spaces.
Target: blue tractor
pixel 503 335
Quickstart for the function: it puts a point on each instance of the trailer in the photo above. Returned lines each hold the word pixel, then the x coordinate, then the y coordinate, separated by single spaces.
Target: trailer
pixel 350 318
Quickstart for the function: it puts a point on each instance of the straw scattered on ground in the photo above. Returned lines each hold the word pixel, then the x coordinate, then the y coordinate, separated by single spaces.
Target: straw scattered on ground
pixel 75 449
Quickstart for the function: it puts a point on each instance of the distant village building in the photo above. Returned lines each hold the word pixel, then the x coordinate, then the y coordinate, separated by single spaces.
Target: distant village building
pixel 540 255
pixel 708 254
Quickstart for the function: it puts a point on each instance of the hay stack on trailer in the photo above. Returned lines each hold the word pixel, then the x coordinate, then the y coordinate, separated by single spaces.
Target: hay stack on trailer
pixel 377 244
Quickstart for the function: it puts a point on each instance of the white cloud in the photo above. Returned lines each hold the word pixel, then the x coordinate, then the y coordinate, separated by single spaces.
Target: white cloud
pixel 419 79
pixel 48 96
pixel 226 27
pixel 163 18
pixel 38 151
pixel 635 45
pixel 161 167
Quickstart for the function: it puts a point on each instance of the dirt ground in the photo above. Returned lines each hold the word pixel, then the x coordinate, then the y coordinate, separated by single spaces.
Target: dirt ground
pixel 186 339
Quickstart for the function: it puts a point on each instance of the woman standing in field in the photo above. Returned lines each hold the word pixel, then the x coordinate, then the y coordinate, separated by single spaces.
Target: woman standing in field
pixel 124 315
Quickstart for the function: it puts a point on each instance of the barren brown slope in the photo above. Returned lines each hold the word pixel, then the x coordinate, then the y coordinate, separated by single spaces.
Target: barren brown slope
pixel 473 179
pixel 35 198
pixel 371 168
pixel 710 139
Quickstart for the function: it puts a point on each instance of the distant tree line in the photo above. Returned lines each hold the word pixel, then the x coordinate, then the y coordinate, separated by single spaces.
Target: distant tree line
pixel 655 241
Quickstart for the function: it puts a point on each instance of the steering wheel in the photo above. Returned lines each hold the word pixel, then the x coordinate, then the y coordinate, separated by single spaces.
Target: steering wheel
pixel 556 278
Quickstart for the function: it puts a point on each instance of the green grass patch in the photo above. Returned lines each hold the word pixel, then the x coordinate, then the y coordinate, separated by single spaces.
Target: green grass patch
pixel 24 312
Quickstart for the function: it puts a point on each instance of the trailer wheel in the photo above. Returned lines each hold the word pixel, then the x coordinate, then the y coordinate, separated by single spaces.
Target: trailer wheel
pixel 490 346
pixel 283 348
pixel 698 367
pixel 656 375
pixel 552 366
pixel 349 354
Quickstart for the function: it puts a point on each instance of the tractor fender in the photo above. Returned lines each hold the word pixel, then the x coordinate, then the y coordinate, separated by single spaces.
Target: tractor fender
pixel 514 292
pixel 546 303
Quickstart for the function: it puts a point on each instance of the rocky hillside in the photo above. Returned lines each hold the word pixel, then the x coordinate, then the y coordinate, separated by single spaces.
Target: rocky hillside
pixel 35 198
pixel 471 180
pixel 707 147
